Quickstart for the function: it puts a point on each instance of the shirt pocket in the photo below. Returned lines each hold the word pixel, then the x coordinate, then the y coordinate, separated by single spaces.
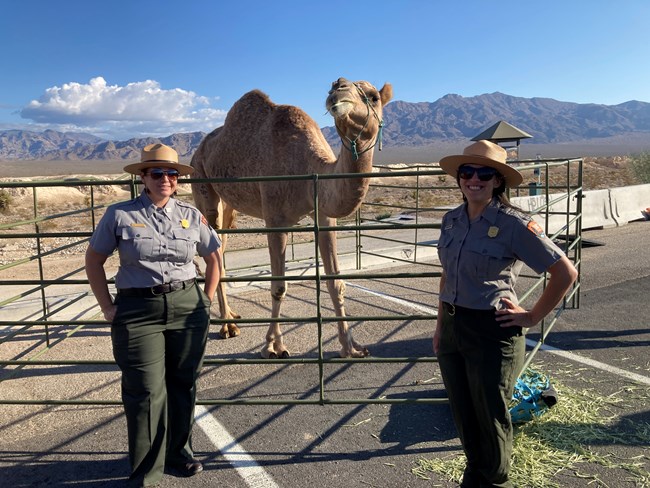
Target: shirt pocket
pixel 185 244
pixel 137 243
pixel 444 244
pixel 493 260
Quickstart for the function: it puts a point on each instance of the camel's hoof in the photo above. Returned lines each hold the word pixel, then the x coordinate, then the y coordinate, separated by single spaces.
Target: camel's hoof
pixel 362 353
pixel 229 330
pixel 274 355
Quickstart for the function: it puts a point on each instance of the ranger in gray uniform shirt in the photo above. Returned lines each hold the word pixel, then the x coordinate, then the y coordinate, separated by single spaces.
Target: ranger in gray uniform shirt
pixel 483 258
pixel 479 332
pixel 160 318
pixel 157 245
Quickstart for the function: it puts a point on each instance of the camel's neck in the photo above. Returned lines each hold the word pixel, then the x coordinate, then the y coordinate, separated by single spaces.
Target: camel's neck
pixel 339 197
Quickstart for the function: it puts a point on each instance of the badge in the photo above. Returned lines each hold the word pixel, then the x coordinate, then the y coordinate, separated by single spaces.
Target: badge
pixel 493 231
pixel 185 224
pixel 535 228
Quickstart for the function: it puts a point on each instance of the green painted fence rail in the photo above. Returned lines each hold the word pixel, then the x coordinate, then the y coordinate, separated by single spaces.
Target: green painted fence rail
pixel 361 225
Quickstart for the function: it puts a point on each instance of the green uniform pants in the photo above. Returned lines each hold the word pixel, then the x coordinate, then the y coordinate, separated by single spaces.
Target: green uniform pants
pixel 159 343
pixel 479 362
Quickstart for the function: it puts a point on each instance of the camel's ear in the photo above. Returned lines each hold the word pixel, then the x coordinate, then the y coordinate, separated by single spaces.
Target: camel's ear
pixel 386 94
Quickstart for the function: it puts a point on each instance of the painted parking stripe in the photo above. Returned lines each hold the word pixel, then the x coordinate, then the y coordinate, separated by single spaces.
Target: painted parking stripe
pixel 390 298
pixel 251 472
pixel 594 364
pixel 644 380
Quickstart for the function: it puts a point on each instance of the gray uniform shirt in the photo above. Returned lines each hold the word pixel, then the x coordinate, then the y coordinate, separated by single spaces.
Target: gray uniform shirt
pixel 482 259
pixel 155 245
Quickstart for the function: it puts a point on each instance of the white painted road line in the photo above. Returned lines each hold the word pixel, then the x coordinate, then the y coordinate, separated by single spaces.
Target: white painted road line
pixel 251 472
pixel 390 298
pixel 644 380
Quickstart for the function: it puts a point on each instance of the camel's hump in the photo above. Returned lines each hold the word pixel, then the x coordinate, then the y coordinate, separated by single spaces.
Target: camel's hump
pixel 259 98
pixel 255 97
pixel 256 105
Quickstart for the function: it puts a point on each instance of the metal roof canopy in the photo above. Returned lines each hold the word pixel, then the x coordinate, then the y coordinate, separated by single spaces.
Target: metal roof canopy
pixel 502 131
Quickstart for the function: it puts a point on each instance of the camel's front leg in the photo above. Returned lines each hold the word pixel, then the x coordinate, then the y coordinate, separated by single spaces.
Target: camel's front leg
pixel 274 347
pixel 228 329
pixel 336 289
pixel 218 216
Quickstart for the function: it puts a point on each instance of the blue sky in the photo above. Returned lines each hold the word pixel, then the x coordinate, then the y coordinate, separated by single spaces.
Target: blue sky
pixel 131 68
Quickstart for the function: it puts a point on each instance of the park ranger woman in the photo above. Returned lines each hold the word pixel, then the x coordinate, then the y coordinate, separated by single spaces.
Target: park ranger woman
pixel 160 317
pixel 479 339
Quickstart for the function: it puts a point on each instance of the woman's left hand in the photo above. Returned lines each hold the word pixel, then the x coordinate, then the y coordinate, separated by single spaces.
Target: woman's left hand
pixel 513 315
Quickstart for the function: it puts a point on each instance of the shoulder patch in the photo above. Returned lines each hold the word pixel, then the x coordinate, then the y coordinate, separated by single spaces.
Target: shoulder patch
pixel 204 221
pixel 183 204
pixel 535 228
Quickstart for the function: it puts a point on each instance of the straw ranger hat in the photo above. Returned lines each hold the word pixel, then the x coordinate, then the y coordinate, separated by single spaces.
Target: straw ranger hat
pixel 158 156
pixel 485 153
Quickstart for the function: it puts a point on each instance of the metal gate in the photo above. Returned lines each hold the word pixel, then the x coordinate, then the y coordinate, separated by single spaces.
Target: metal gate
pixel 393 233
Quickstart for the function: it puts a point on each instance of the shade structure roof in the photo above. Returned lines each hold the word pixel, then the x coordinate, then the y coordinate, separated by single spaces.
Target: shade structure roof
pixel 502 131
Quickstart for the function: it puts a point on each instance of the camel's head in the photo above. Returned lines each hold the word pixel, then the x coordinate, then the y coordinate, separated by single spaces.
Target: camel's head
pixel 357 109
pixel 347 98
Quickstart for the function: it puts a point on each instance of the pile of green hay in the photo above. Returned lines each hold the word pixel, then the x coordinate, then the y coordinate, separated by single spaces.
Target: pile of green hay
pixel 559 442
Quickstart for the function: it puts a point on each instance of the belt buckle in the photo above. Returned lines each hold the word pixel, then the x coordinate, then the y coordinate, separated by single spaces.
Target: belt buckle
pixel 158 287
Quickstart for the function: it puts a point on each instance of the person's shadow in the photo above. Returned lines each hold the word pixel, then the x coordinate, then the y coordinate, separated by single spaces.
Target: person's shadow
pixel 411 424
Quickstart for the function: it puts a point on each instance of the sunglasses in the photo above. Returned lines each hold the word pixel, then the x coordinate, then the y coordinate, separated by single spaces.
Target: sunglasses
pixel 156 174
pixel 484 173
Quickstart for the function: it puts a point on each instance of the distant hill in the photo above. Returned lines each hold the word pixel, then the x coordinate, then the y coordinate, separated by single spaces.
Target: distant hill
pixel 451 119
pixel 52 145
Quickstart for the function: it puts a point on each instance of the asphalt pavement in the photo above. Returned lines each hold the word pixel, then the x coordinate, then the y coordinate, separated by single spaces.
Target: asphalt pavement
pixel 602 344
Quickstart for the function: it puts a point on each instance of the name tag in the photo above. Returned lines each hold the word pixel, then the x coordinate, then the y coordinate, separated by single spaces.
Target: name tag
pixel 136 224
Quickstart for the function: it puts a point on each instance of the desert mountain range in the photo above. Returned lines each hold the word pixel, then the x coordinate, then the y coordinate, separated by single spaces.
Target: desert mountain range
pixel 452 118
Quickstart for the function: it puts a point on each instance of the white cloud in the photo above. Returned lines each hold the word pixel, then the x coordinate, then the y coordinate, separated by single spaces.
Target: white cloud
pixel 141 108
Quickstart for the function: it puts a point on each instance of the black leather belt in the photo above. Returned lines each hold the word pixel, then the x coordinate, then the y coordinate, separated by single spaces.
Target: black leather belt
pixel 156 290
pixel 453 309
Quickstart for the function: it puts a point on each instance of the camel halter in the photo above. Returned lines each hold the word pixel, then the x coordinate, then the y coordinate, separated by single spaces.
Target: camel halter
pixel 353 142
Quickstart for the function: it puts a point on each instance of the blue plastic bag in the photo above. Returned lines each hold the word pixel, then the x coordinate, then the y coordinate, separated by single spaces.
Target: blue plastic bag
pixel 532 397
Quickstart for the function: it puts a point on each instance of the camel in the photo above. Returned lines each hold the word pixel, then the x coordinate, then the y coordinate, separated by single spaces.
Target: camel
pixel 260 138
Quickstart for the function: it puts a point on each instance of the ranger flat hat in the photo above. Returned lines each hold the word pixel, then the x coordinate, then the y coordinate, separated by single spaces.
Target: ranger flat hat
pixel 485 153
pixel 158 156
